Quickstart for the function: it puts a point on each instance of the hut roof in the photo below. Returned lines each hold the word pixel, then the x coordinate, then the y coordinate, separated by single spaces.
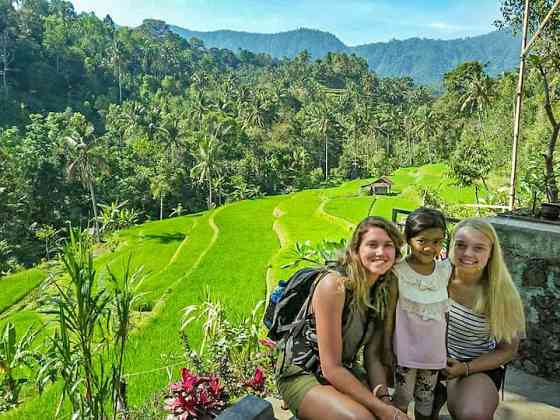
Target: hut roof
pixel 380 181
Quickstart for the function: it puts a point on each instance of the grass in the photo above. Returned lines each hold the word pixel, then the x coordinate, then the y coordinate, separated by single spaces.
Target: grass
pixel 16 286
pixel 153 245
pixel 233 271
pixel 228 252
pixel 300 220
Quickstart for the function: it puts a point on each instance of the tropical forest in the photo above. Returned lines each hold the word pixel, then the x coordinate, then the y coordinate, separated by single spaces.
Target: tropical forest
pixel 154 190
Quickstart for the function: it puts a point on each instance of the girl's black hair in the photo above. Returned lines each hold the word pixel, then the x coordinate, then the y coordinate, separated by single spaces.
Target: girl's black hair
pixel 421 219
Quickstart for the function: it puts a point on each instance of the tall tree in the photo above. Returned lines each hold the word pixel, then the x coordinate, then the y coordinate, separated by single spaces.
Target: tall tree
pixel 85 158
pixel 320 120
pixel 206 157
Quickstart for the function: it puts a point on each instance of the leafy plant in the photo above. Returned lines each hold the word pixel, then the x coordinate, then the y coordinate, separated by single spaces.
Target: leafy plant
pixel 93 322
pixel 234 351
pixel 324 252
pixel 8 263
pixel 196 396
pixel 49 235
pixel 14 354
pixel 116 216
pixel 532 180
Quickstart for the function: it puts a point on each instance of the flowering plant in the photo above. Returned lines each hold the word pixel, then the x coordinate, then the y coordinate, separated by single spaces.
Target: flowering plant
pixel 196 396
pixel 257 382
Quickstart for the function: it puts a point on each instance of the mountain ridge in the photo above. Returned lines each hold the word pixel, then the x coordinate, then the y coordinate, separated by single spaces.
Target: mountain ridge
pixel 426 60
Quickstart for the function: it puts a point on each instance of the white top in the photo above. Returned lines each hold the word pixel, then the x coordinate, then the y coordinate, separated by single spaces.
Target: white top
pixel 424 295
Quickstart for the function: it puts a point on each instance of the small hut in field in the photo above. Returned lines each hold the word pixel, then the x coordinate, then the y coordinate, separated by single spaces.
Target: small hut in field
pixel 381 186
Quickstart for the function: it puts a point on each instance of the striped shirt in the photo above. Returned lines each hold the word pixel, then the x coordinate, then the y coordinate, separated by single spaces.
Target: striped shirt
pixel 468 333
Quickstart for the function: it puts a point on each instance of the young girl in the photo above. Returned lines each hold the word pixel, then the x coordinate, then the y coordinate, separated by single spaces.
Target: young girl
pixel 416 327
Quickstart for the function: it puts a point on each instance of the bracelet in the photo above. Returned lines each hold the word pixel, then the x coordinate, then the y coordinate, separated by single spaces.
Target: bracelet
pixel 385 396
pixel 466 368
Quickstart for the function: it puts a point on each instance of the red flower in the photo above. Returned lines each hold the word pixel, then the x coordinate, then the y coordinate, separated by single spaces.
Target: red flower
pixel 215 386
pixel 188 379
pixel 195 396
pixel 257 381
pixel 203 398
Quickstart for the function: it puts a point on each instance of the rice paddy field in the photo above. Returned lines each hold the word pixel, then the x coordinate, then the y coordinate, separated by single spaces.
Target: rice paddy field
pixel 234 252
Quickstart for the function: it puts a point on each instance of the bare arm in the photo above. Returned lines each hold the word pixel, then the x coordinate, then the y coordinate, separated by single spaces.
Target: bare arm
pixel 503 354
pixel 389 322
pixel 377 372
pixel 327 303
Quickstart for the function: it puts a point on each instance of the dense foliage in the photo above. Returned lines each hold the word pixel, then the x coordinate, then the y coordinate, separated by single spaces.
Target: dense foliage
pixel 425 60
pixel 95 115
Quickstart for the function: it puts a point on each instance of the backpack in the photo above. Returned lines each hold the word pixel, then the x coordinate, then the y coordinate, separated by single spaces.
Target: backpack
pixel 286 301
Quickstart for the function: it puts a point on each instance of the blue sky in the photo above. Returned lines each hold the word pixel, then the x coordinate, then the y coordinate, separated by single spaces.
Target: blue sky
pixel 353 21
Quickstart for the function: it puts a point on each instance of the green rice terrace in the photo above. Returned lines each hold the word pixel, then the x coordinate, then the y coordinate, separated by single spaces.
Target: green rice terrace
pixel 234 253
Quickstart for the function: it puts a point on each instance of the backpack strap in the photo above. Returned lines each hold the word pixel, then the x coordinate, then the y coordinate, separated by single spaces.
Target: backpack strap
pixel 286 344
pixel 295 327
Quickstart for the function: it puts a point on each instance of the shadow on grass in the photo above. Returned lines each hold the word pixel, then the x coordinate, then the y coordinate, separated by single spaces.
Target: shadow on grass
pixel 165 238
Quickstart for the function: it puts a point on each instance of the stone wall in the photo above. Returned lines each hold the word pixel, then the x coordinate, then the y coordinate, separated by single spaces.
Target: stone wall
pixel 532 252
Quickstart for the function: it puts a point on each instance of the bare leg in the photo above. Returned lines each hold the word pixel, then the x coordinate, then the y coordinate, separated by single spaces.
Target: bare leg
pixel 323 402
pixel 472 398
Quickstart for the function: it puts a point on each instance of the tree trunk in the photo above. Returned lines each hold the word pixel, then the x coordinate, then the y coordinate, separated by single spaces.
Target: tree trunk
pixel 477 200
pixel 551 185
pixel 161 206
pixel 94 205
pixel 326 158
pixel 4 55
pixel 550 180
pixel 209 191
pixel 120 85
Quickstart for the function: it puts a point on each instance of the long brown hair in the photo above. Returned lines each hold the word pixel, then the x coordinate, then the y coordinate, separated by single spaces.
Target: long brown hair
pixel 356 275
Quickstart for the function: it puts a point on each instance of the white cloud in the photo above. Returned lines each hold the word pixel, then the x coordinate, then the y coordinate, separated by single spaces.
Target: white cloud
pixel 445 26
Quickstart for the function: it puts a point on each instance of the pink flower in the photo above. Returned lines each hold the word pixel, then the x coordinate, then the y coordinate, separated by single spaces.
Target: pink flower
pixel 267 342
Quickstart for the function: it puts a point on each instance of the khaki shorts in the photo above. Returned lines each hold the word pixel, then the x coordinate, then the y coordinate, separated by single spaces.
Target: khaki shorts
pixel 295 382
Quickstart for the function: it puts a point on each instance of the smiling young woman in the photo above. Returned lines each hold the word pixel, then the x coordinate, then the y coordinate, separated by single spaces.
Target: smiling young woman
pixel 486 321
pixel 318 376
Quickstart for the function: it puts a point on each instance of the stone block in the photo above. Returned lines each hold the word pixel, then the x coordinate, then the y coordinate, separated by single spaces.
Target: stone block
pixel 536 273
pixel 249 408
pixel 532 254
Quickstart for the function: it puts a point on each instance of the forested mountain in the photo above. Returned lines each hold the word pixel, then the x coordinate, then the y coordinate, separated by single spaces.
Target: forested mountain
pixel 280 45
pixel 97 118
pixel 425 60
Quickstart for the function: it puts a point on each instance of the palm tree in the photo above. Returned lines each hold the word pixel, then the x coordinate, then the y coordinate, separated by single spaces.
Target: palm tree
pixel 427 124
pixel 319 120
pixel 116 60
pixel 205 156
pixel 85 158
pixel 478 93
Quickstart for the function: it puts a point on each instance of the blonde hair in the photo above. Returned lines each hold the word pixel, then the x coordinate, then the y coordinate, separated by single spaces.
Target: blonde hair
pixel 498 298
pixel 356 275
